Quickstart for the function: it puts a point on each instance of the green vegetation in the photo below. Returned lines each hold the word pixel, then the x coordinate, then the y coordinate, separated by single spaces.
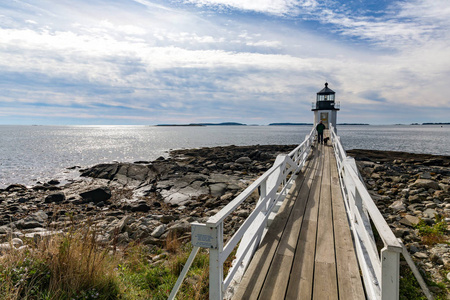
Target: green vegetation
pixel 433 234
pixel 74 266
pixel 409 287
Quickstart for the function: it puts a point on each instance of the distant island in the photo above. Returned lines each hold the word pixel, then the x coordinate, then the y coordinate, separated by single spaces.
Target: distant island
pixel 310 124
pixel 289 124
pixel 353 124
pixel 206 124
pixel 429 124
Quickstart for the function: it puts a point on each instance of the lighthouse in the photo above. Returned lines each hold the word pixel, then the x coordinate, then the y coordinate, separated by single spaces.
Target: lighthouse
pixel 325 108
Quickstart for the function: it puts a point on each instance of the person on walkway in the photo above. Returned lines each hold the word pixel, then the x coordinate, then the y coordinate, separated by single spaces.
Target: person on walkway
pixel 320 128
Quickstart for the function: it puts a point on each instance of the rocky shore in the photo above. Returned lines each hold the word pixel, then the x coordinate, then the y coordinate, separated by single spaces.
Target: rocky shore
pixel 142 201
pixel 146 201
pixel 408 188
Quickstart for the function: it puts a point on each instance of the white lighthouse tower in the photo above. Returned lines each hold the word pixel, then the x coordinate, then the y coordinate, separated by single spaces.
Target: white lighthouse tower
pixel 325 108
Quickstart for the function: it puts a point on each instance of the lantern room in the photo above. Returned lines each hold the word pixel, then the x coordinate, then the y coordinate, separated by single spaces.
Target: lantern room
pixel 325 108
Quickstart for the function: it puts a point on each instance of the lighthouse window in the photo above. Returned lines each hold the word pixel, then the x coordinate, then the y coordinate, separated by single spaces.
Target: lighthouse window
pixel 331 97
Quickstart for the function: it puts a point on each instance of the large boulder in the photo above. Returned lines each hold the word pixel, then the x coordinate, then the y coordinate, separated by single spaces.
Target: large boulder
pixel 104 171
pixel 55 198
pixel 126 173
pixel 35 220
pixel 178 191
pixel 16 187
pixel 139 206
pixel 97 195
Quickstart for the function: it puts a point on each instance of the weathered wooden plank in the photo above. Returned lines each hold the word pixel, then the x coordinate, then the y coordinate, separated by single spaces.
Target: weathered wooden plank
pixel 302 273
pixel 325 283
pixel 255 275
pixel 300 282
pixel 325 236
pixel 348 274
pixel 278 276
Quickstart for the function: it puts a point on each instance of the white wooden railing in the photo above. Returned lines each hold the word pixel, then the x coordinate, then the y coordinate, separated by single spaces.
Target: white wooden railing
pixel 273 187
pixel 381 271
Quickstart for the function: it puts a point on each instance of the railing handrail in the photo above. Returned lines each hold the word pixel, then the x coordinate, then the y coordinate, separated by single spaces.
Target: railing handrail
pixel 273 187
pixel 230 207
pixel 381 271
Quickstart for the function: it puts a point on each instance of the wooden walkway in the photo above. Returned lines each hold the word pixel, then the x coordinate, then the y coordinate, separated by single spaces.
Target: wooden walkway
pixel 308 251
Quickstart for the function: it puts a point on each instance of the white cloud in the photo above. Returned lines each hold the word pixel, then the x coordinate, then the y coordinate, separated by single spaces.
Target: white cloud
pixel 186 37
pixel 402 24
pixel 277 7
pixel 126 29
pixel 272 44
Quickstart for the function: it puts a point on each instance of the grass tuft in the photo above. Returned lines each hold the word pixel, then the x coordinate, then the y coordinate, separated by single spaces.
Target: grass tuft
pixel 435 234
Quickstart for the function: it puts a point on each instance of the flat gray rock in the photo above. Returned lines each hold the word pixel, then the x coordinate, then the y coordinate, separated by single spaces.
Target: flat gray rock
pixel 218 189
pixel 430 213
pixel 427 184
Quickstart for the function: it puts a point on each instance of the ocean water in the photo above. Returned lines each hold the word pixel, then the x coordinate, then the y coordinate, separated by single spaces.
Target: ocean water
pixel 39 153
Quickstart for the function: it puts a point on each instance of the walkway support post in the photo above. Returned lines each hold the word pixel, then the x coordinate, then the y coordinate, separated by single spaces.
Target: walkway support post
pixel 390 274
pixel 215 266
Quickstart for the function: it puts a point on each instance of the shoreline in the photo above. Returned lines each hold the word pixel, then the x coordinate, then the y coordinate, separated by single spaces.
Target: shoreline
pixel 162 195
pixel 213 171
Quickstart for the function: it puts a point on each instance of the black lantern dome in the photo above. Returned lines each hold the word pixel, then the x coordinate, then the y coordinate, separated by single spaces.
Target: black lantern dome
pixel 325 100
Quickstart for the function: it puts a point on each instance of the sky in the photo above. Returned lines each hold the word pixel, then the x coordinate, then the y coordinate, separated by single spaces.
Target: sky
pixel 146 62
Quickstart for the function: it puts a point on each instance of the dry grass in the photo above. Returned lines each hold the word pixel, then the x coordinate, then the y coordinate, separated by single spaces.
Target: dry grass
pixel 173 243
pixel 74 266
pixel 64 266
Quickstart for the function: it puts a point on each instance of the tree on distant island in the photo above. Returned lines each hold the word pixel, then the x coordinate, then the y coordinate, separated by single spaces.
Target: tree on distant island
pixel 206 124
pixel 353 124
pixel 284 124
pixel 435 123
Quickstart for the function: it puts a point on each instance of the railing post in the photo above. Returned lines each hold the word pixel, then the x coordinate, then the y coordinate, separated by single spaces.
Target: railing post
pixel 390 274
pixel 215 265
